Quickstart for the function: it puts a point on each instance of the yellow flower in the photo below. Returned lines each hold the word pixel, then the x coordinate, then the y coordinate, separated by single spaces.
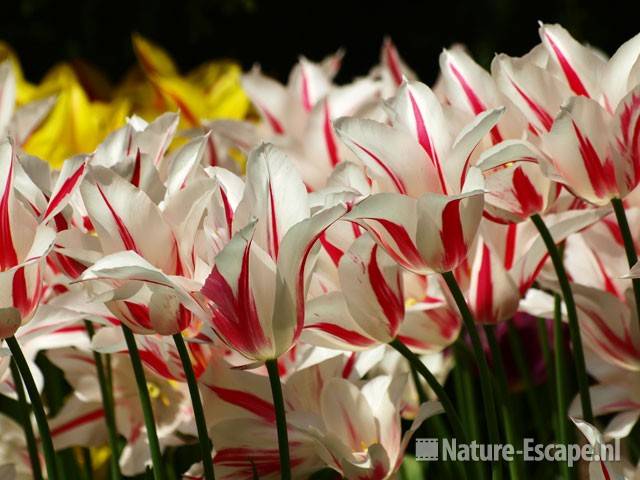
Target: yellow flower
pixel 78 122
pixel 210 91
pixel 75 124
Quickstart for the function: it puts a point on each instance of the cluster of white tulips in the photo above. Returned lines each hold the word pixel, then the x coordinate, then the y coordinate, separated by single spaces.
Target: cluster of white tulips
pixel 303 294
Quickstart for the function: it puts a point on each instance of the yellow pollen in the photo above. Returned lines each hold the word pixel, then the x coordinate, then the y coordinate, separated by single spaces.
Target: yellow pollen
pixel 154 390
pixel 156 393
pixel 410 302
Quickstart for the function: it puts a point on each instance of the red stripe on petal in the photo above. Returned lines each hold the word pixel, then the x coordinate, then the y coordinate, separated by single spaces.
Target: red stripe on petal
pixel 348 366
pixel 274 123
pixel 601 174
pixel 525 283
pixel 510 245
pixel 528 197
pixel 138 314
pixel 213 152
pixel 246 304
pixel 77 422
pixel 397 182
pixel 393 62
pixel 273 223
pixel 20 295
pixel 614 230
pixel 348 336
pixel 228 211
pixel 8 255
pixel 605 470
pixel 334 252
pixel 629 144
pixel 543 116
pixel 236 320
pixel 425 141
pixel 329 137
pixel 414 342
pixel 609 286
pixel 300 292
pixel 618 344
pixel 65 189
pixel 156 363
pixel 123 231
pixel 571 75
pixel 406 254
pixel 306 97
pixel 477 105
pixel 70 266
pixel 247 401
pixel 391 304
pixel 452 235
pixel 135 177
pixel 484 291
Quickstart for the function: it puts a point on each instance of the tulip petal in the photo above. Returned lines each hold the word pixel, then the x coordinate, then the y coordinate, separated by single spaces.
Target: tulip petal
pixel 493 295
pixel 294 269
pixel 122 214
pixel 269 97
pixel 71 175
pixel 392 220
pixel 416 108
pixel 372 285
pixel 242 311
pixel 447 226
pixel 392 155
pixel 7 94
pixel 328 323
pixel 274 195
pixel 575 61
pixel 578 149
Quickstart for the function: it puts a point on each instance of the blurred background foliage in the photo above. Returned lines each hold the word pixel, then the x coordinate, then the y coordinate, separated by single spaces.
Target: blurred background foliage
pixel 274 32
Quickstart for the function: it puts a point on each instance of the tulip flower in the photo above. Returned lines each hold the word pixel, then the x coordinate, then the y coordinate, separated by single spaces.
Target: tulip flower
pixel 372 448
pixel 27 240
pixel 438 200
pixel 303 280
pixel 471 89
pixel 371 307
pixel 434 203
pixel 257 288
pixel 135 284
pixel 81 421
pixel 271 251
pixel 588 145
pixel 14 462
pixel 297 117
pixel 602 468
pixel 392 69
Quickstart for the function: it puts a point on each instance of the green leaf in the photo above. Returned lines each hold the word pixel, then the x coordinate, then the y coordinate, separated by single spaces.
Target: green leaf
pixel 411 469
pixel 10 408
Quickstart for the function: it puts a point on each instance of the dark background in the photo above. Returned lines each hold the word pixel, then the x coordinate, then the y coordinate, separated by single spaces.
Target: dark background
pixel 274 33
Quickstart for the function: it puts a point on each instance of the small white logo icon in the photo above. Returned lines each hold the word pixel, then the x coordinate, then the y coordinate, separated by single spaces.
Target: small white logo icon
pixel 426 449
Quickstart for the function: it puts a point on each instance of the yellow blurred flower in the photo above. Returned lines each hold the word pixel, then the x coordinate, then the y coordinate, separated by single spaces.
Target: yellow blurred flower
pixel 75 124
pixel 210 91
pixel 87 108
